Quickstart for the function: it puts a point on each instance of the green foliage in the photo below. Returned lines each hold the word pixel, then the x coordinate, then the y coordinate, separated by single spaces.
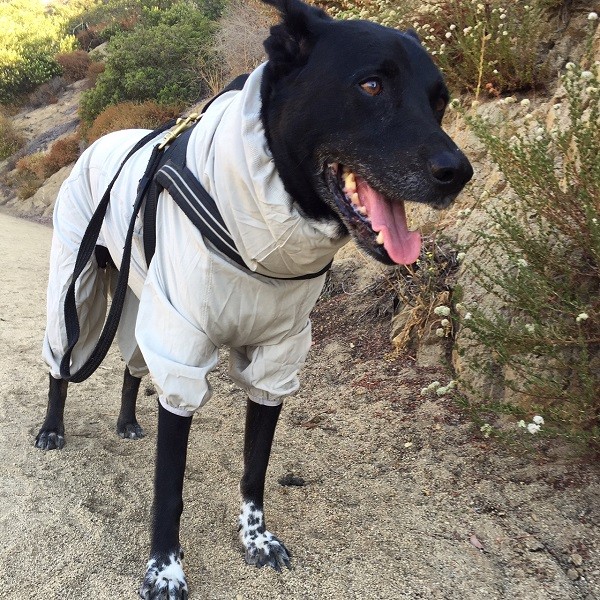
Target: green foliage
pixel 159 60
pixel 30 36
pixel 542 259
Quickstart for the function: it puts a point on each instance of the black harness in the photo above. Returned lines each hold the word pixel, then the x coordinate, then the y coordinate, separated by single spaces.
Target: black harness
pixel 166 170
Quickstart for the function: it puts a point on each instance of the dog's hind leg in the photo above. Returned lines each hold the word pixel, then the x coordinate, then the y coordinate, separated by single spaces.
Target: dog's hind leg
pixel 261 547
pixel 164 576
pixel 51 435
pixel 127 425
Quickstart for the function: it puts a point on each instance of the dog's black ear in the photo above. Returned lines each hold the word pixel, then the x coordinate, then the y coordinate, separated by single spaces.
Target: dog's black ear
pixel 291 41
pixel 413 34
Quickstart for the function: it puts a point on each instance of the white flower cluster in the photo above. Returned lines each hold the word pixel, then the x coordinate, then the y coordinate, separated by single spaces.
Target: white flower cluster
pixel 445 324
pixel 486 429
pixel 462 311
pixel 582 317
pixel 533 427
pixel 435 387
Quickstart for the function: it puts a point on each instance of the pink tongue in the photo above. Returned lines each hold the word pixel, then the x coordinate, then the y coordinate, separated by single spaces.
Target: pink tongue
pixel 402 245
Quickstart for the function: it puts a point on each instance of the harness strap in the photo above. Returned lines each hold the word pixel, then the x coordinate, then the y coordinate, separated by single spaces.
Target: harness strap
pixel 199 207
pixel 197 204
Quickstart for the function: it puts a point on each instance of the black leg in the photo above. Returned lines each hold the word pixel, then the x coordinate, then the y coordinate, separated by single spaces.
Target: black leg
pixel 164 575
pixel 127 425
pixel 51 436
pixel 261 547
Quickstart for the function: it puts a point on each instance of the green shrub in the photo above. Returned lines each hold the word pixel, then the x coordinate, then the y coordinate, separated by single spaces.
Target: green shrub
pixel 158 60
pixel 542 260
pixel 30 36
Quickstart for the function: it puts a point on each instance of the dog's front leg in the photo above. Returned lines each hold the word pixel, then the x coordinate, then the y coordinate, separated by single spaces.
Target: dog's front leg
pixel 261 547
pixel 51 435
pixel 165 579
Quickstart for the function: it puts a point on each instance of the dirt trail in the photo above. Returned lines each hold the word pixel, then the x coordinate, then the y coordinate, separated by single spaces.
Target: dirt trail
pixel 398 493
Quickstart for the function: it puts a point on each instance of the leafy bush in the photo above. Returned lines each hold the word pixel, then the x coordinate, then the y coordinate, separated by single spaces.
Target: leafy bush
pixel 158 60
pixel 131 115
pixel 542 260
pixel 30 36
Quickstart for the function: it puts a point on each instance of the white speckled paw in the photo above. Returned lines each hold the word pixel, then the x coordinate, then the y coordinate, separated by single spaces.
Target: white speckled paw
pixel 165 579
pixel 262 548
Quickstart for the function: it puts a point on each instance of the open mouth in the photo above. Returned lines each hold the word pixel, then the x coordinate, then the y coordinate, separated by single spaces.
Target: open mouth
pixel 378 223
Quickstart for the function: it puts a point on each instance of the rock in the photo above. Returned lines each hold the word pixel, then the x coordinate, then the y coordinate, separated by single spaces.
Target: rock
pixel 573 574
pixel 534 545
pixel 577 559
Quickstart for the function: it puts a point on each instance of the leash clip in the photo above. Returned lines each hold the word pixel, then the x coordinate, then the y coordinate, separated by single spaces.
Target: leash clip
pixel 183 123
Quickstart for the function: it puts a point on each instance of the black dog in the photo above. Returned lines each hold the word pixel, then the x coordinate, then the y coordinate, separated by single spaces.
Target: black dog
pixel 351 113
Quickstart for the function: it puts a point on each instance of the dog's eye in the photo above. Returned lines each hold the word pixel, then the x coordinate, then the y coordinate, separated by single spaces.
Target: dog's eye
pixel 372 86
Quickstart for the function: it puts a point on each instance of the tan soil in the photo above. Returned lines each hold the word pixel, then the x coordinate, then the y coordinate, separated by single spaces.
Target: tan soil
pixel 399 492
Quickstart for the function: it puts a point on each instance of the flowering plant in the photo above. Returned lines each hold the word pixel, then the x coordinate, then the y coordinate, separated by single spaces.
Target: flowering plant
pixel 542 260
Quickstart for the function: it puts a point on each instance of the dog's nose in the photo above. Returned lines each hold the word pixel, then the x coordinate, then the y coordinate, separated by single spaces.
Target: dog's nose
pixel 450 170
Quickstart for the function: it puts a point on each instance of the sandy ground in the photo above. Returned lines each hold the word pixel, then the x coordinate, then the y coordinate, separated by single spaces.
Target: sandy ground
pixel 401 500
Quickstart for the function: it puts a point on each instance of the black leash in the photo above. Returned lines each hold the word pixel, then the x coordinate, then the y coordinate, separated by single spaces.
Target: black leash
pixel 86 249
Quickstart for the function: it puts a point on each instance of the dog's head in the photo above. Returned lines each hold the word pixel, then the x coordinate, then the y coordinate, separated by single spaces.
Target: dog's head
pixel 352 112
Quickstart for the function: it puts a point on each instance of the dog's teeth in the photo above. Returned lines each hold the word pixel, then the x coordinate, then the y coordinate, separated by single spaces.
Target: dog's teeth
pixel 350 181
pixel 362 210
pixel 379 238
pixel 354 199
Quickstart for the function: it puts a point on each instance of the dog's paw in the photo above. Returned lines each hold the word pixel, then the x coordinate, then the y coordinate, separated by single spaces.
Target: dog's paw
pixel 48 439
pixel 165 579
pixel 267 551
pixel 262 548
pixel 130 431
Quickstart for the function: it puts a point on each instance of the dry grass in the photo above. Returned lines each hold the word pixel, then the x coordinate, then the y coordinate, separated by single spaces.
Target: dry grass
pixel 93 71
pixel 74 65
pixel 47 93
pixel 244 27
pixel 10 139
pixel 131 115
pixel 34 169
pixel 63 152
